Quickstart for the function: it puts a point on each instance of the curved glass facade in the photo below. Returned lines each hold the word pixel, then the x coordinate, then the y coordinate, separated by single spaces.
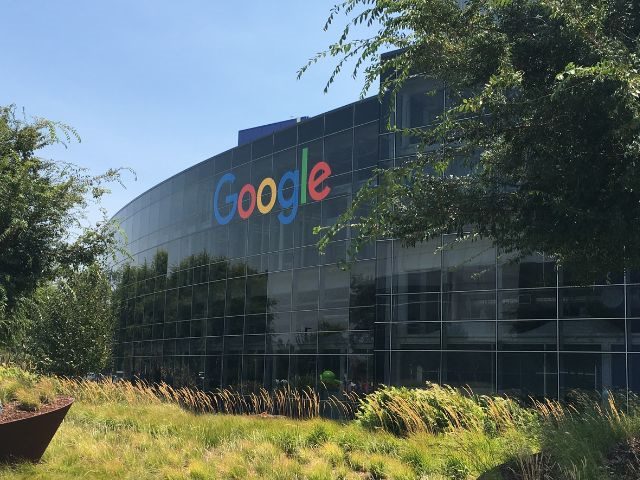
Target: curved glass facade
pixel 233 292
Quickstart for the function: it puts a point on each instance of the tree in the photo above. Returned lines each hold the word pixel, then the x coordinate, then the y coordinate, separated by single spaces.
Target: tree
pixel 43 227
pixel 544 111
pixel 71 322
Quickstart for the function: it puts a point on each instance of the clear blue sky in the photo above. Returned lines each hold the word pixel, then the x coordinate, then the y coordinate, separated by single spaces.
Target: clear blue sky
pixel 160 85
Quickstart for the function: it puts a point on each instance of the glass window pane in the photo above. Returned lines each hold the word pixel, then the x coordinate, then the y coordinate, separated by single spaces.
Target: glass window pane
pixel 530 272
pixel 528 374
pixel 255 324
pixel 283 161
pixel 333 342
pixel 469 306
pixel 473 369
pixel 254 344
pixel 360 376
pixel 591 371
pixel 423 307
pixel 592 335
pixel 417 269
pixel 217 297
pixel 222 162
pixel 305 321
pixel 527 304
pixel 241 155
pixel 235 302
pixel 592 302
pixel 414 369
pixel 215 327
pixel 633 326
pixel 257 294
pixel 420 102
pixel 338 152
pixel 278 322
pixel 468 265
pixel 415 336
pixel 367 110
pixel 304 342
pixel 310 129
pixel 262 147
pixel 231 371
pixel 302 371
pixel 252 373
pixel 213 370
pixel 633 300
pixel 527 335
pixel 234 326
pixel 366 146
pixel 285 138
pixel 338 120
pixel 184 303
pixel 634 373
pixel 334 287
pixel 469 336
pixel 279 290
pixel 363 284
pixel 336 319
pixel 305 289
pixel 276 371
pixel 200 298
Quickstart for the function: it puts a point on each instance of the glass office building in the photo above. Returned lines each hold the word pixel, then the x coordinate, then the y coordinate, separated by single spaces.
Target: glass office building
pixel 226 286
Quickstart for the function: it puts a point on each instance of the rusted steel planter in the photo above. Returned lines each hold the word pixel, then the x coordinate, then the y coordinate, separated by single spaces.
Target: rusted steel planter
pixel 26 439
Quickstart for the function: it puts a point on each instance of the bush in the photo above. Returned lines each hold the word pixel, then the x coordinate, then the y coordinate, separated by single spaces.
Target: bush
pixel 71 323
pixel 438 409
pixel 29 391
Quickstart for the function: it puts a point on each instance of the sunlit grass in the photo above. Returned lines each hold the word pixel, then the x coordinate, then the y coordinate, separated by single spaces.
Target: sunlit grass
pixel 138 431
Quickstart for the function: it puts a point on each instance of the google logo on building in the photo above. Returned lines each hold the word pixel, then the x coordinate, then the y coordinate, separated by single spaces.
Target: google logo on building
pixel 301 181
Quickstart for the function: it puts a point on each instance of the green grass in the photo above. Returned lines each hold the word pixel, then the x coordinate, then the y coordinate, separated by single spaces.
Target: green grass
pixel 116 431
pixel 152 441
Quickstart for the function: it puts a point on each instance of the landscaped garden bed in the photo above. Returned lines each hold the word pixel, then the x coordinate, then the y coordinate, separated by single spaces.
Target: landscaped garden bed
pixel 31 410
pixel 143 431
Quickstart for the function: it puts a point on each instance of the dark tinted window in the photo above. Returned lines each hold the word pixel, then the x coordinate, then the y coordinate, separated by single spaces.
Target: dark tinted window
pixel 366 146
pixel 527 335
pixel 284 139
pixel 310 129
pixel 339 120
pixel 367 110
pixel 262 147
pixel 241 155
pixel 338 149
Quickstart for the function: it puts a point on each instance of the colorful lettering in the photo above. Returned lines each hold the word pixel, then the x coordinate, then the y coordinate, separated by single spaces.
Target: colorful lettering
pixel 290 192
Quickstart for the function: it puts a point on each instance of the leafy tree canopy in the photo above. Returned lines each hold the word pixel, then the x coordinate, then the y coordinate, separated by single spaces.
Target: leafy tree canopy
pixel 69 323
pixel 43 227
pixel 545 98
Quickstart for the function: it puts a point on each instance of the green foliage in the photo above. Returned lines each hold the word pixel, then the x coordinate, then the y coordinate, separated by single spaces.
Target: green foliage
pixel 28 390
pixel 71 323
pixel 455 469
pixel 317 436
pixel 329 380
pixel 544 100
pixel 134 434
pixel 42 215
pixel 28 399
pixel 438 409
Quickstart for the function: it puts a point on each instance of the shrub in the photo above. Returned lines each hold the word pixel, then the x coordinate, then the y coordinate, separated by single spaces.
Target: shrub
pixel 25 388
pixel 8 388
pixel 28 399
pixel 438 409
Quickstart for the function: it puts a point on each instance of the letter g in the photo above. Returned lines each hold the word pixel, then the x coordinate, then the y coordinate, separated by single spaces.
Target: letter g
pixel 231 199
